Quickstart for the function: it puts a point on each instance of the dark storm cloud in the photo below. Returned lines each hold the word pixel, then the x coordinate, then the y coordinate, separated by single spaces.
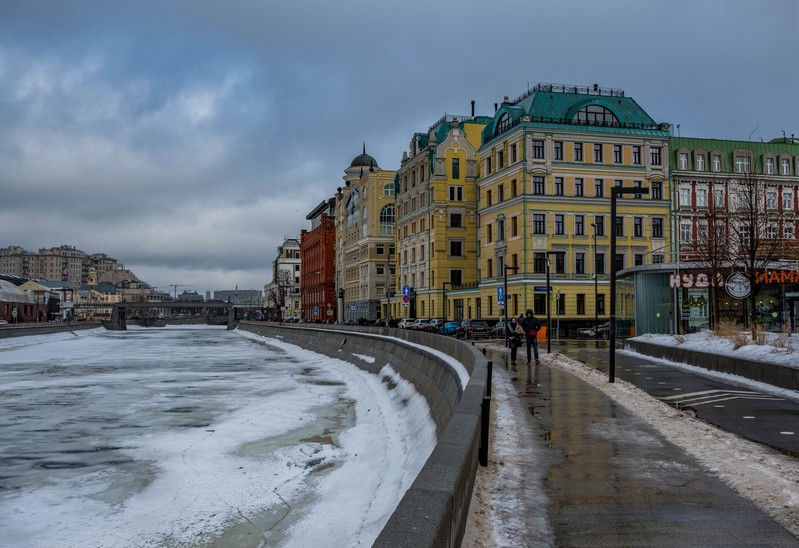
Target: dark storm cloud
pixel 187 139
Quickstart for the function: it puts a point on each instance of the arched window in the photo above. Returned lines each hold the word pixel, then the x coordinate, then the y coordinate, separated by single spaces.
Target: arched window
pixel 595 115
pixel 364 224
pixel 353 209
pixel 387 220
pixel 503 124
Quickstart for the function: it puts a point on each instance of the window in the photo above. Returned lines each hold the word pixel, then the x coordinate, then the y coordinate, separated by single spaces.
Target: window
pixel 599 263
pixel 616 154
pixel 772 232
pixel 456 168
pixel 539 263
pixel 559 150
pixel 716 162
pixel 578 186
pixel 500 159
pixel 769 166
pixel 456 193
pixel 501 192
pixel 514 226
pixel 637 184
pixel 488 165
pixel 657 227
pixel 380 249
pixel 600 304
pixel 456 248
pixel 580 303
pixel 685 232
pixel 538 149
pixel 742 164
pixel 578 152
pixel 701 197
pixel 744 232
pixel 788 231
pixel 539 223
pixel 599 225
pixel 559 229
pixel 513 156
pixel 490 268
pixel 599 188
pixel 387 218
pixel 637 155
pixel 785 168
pixel 500 229
pixel 787 199
pixel 619 261
pixel 685 197
pixel 595 115
pixel 638 227
pixel 489 233
pixel 488 197
pixel 597 153
pixel 638 259
pixel 540 303
pixel 658 258
pixel 558 186
pixel 388 190
pixel 579 263
pixel 771 199
pixel 683 160
pixel 456 220
pixel 700 162
pixel 657 190
pixel 538 184
pixel 560 263
pixel 619 226
pixel 718 197
pixel 513 192
pixel 654 156
pixel 579 225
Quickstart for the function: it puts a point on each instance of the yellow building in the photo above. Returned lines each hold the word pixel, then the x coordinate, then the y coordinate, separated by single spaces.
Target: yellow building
pixel 437 217
pixel 548 161
pixel 364 239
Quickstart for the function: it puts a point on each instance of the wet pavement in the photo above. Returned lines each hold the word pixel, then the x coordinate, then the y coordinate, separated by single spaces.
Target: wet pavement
pixel 614 481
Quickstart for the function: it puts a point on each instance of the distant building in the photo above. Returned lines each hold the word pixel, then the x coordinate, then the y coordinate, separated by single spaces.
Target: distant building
pixel 318 264
pixel 282 295
pixel 190 297
pixel 233 296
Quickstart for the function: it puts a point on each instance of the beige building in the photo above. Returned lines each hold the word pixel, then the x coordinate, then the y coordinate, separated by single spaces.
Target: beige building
pixel 364 239
pixel 437 217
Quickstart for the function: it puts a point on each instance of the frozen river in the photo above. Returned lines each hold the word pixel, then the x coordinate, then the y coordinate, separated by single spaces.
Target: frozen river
pixel 199 437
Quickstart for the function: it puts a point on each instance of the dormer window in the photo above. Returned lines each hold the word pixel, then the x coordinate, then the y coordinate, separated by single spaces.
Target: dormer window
pixel 595 115
pixel 503 124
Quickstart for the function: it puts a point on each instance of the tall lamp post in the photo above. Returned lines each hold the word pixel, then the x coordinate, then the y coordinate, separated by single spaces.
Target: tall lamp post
pixel 549 292
pixel 596 294
pixel 615 192
pixel 505 269
pixel 444 303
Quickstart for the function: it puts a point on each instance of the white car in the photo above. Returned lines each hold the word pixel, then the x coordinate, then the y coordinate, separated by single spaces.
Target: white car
pixel 405 323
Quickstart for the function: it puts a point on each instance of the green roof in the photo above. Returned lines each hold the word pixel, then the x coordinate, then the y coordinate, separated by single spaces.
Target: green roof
pixel 728 149
pixel 555 107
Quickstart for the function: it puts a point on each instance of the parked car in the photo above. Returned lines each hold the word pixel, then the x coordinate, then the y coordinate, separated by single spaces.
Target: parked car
pixel 404 323
pixel 473 329
pixel 591 332
pixel 434 325
pixel 499 329
pixel 419 324
pixel 449 328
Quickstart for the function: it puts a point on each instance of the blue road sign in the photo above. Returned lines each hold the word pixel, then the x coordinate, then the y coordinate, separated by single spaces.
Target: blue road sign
pixel 541 288
pixel 406 290
pixel 500 295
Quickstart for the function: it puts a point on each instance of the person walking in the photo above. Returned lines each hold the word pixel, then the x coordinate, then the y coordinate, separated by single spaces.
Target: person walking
pixel 531 326
pixel 515 333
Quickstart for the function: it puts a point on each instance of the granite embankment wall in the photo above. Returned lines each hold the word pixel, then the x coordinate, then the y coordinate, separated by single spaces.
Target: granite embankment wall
pixel 27 329
pixel 769 373
pixel 433 511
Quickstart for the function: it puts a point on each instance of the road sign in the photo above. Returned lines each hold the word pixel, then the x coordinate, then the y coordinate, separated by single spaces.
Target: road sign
pixel 500 295
pixel 541 288
pixel 406 290
pixel 406 298
pixel 316 310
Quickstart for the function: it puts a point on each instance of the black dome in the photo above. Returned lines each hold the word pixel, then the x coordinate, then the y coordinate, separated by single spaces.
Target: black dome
pixel 363 160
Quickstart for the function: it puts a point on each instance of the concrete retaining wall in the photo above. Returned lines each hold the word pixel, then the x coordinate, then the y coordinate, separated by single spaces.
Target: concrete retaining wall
pixel 769 373
pixel 24 330
pixel 433 511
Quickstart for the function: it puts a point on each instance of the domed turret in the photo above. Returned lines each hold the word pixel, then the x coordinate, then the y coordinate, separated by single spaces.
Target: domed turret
pixel 364 160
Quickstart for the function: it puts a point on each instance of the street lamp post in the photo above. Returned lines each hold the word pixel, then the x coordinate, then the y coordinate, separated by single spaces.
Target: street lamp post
pixel 444 302
pixel 549 292
pixel 615 192
pixel 596 294
pixel 505 269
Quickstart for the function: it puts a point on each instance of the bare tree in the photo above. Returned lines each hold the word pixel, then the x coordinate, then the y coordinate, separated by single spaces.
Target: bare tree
pixel 712 250
pixel 281 287
pixel 754 224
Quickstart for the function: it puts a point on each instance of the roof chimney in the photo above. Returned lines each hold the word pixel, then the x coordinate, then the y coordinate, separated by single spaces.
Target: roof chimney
pixel 472 108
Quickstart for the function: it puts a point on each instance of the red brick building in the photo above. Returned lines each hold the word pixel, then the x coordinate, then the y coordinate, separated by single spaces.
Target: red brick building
pixel 317 252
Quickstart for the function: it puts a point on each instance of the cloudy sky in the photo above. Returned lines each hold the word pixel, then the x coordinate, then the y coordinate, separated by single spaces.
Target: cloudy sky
pixel 186 139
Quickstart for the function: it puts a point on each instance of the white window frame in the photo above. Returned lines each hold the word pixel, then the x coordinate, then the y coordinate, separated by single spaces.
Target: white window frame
pixel 769 166
pixel 683 160
pixel 685 232
pixel 700 162
pixel 685 196
pixel 701 196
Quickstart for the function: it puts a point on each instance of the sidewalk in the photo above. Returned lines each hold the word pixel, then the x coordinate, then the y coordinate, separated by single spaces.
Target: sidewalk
pixel 610 479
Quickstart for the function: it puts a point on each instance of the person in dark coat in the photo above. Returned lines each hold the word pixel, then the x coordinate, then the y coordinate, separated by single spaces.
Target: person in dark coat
pixel 531 326
pixel 515 333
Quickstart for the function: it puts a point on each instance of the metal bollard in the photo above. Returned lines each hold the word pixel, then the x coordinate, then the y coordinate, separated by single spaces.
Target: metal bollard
pixel 485 419
pixel 489 374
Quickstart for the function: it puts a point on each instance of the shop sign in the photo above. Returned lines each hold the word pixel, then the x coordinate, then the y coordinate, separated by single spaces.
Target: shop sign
pixel 738 286
pixel 777 277
pixel 700 280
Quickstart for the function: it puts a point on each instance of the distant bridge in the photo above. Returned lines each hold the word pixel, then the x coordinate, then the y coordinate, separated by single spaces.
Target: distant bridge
pixel 118 309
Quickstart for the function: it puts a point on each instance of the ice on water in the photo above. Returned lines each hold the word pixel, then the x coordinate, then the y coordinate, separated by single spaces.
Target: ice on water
pixel 199 436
